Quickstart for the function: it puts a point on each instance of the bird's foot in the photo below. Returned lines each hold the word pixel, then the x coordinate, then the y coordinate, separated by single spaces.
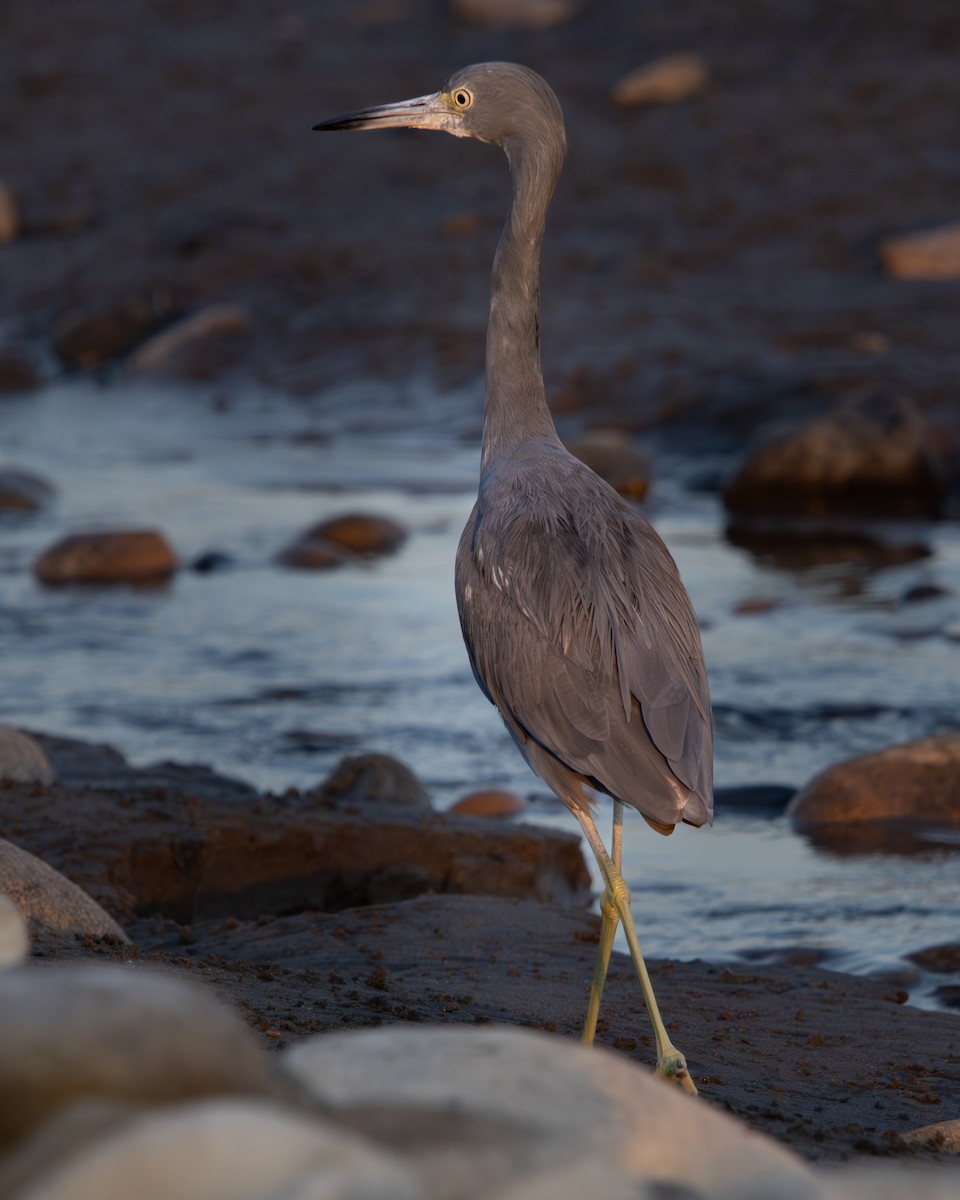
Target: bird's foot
pixel 673 1067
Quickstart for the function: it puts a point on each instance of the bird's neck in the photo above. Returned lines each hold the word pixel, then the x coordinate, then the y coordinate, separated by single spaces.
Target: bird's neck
pixel 516 407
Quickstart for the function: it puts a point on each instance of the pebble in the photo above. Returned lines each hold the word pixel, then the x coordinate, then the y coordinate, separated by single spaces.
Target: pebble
pixel 928 254
pixel 191 346
pixel 482 1109
pixel 215 1149
pixel 528 15
pixel 869 458
pixel 49 901
pixel 375 779
pixel 491 802
pixel 663 81
pixel 22 760
pixel 20 490
pixel 9 214
pixel 613 456
pixel 109 556
pixel 73 1029
pixel 918 781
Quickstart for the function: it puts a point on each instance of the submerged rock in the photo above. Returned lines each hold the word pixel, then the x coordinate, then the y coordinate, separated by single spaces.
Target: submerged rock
pixel 867 459
pixel 111 556
pixel 915 783
pixel 23 490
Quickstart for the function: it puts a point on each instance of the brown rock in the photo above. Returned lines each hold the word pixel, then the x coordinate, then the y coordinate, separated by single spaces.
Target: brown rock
pixel 86 339
pixel 915 783
pixel 664 81
pixel 17 373
pixel 944 959
pixel 309 553
pixel 613 456
pixel 361 533
pixel 189 856
pixel 375 779
pixel 491 802
pixel 930 254
pixel 9 214
pixel 944 1136
pixel 515 14
pixel 115 556
pixel 23 491
pixel 869 459
pixel 95 1029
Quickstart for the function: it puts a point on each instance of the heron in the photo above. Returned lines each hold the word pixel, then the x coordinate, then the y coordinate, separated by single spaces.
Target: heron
pixel 576 622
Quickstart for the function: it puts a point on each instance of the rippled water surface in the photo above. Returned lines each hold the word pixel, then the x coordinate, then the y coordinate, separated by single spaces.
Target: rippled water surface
pixel 272 674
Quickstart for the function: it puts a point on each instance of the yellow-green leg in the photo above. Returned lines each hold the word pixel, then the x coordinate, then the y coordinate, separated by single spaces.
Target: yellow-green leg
pixel 670 1062
pixel 609 920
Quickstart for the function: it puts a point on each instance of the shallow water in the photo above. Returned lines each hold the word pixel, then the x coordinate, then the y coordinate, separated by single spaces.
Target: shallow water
pixel 272 675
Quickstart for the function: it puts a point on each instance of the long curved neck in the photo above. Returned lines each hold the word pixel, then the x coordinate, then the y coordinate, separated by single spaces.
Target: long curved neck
pixel 516 408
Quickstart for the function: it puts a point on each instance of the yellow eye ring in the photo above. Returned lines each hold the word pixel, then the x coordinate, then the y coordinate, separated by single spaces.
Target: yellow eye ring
pixel 462 98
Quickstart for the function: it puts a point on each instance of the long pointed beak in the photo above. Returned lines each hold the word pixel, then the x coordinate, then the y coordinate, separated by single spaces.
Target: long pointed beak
pixel 424 112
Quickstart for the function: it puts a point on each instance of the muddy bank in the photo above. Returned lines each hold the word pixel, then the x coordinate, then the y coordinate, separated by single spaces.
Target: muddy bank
pixel 713 261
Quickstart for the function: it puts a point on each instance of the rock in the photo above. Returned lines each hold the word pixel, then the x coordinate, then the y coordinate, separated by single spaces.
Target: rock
pixel 477 1110
pixel 361 533
pixel 309 553
pixel 376 779
pixel 491 802
pixel 944 1135
pixel 943 959
pixel 127 1033
pixel 890 1181
pixel 929 254
pixel 189 854
pixel 515 14
pixel 49 901
pixel 867 459
pixel 14 940
pixel 87 339
pixel 17 373
pixel 803 544
pixel 664 81
pixel 22 759
pixel 913 783
pixel 23 491
pixel 613 456
pixel 219 1149
pixel 9 214
pixel 196 346
pixel 112 556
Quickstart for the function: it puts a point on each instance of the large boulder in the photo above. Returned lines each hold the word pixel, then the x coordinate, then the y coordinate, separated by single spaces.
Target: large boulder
pixel 916 782
pixel 122 1033
pixel 22 759
pixel 476 1110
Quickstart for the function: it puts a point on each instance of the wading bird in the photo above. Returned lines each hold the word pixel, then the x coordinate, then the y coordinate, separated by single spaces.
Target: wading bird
pixel 575 620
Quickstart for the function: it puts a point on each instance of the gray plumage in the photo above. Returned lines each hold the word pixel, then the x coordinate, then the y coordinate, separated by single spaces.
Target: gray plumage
pixel 577 625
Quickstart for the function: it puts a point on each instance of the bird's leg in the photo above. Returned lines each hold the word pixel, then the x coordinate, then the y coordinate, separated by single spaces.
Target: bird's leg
pixel 670 1062
pixel 609 920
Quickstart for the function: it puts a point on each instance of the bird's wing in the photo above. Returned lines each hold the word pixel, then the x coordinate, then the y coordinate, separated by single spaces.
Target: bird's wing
pixel 581 632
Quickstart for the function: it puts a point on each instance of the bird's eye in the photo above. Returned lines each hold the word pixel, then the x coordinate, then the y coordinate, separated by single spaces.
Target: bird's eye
pixel 462 98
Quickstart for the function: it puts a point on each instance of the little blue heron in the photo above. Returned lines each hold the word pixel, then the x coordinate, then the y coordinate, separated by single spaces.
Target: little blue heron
pixel 576 622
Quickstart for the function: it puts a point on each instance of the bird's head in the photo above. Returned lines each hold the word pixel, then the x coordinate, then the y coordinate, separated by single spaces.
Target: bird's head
pixel 494 102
